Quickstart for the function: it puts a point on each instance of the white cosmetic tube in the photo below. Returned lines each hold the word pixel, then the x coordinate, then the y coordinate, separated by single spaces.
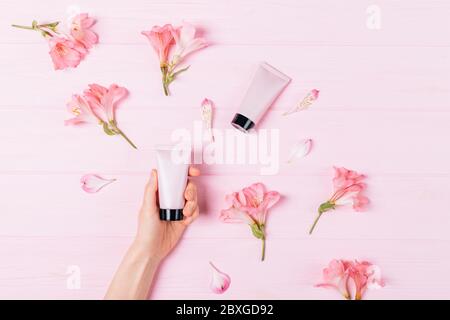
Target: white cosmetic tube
pixel 266 85
pixel 173 169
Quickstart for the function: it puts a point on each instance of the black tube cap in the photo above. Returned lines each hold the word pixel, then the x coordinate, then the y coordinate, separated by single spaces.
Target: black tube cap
pixel 171 214
pixel 242 123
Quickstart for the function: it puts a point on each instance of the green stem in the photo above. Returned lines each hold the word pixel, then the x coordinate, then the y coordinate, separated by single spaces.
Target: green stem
pixel 165 87
pixel 165 82
pixel 315 223
pixel 22 27
pixel 263 252
pixel 126 138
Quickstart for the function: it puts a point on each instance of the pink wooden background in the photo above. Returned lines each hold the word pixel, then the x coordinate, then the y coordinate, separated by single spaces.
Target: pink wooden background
pixel 383 110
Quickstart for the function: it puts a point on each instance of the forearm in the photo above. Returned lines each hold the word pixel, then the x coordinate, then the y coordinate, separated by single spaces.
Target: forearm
pixel 134 277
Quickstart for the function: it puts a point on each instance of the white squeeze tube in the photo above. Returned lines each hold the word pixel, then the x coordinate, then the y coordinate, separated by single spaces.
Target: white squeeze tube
pixel 173 166
pixel 266 85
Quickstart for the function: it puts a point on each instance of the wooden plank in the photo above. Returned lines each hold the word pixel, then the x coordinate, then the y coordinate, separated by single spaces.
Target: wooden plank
pixel 349 78
pixel 408 266
pixel 401 207
pixel 293 22
pixel 374 142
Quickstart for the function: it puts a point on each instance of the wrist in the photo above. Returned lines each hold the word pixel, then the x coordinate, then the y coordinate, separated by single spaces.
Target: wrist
pixel 145 254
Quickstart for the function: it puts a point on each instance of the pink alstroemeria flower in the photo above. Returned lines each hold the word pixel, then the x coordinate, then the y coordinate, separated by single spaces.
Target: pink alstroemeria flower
pixel 348 188
pixel 66 50
pixel 340 273
pixel 104 100
pixel 336 276
pixel 80 30
pixel 98 105
pixel 251 205
pixel 186 42
pixel 162 39
pixel 65 53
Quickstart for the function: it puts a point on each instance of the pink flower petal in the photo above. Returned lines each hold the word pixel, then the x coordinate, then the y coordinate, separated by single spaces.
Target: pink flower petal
pixel 81 110
pixel 234 215
pixel 65 53
pixel 220 281
pixel 92 183
pixel 186 42
pixel 161 38
pixel 103 101
pixel 80 30
pixel 300 149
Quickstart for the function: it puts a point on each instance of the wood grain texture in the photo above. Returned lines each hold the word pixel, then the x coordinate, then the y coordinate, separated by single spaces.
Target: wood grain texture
pixel 383 110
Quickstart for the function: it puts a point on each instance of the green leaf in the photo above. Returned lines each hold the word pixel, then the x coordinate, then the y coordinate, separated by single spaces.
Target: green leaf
pixel 326 206
pixel 176 73
pixel 107 130
pixel 45 33
pixel 258 230
pixel 34 24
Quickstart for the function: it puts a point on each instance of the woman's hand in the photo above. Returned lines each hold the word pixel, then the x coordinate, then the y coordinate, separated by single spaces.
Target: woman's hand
pixel 154 240
pixel 160 237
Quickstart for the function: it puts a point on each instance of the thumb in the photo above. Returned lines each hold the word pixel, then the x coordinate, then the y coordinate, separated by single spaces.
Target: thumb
pixel 150 193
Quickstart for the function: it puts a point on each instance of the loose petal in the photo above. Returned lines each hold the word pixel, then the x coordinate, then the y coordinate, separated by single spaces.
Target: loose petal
pixel 300 149
pixel 220 281
pixel 207 114
pixel 92 183
pixel 312 96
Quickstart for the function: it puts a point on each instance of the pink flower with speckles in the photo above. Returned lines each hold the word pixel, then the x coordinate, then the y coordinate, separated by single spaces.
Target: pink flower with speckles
pixel 65 53
pixel 82 111
pixel 343 275
pixel 348 189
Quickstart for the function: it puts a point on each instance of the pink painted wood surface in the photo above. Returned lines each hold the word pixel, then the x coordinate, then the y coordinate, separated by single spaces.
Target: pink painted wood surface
pixel 383 110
